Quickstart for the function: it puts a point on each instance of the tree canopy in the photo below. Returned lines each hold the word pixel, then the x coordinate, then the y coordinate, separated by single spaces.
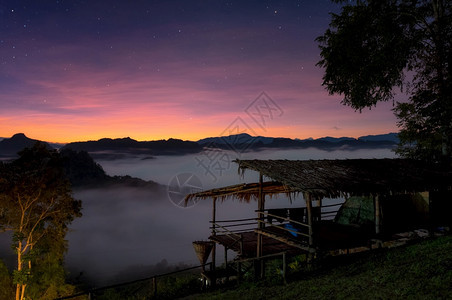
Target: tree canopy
pixel 37 207
pixel 373 47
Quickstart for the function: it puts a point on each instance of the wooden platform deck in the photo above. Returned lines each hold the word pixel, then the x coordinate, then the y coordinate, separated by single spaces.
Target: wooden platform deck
pixel 286 237
pixel 328 236
pixel 249 240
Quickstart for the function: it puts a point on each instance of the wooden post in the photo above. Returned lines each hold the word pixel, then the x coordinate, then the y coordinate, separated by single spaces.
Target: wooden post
pixel 431 212
pixel 260 208
pixel 284 267
pixel 154 284
pixel 319 210
pixel 310 232
pixel 212 266
pixel 226 256
pixel 260 225
pixel 309 210
pixel 261 202
pixel 226 262
pixel 241 244
pixel 377 214
pixel 214 212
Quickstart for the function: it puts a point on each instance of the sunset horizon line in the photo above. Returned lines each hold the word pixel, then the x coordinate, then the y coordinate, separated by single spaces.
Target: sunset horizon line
pixel 43 139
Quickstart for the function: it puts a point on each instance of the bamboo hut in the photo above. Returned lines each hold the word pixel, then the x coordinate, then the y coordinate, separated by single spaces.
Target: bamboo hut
pixel 305 229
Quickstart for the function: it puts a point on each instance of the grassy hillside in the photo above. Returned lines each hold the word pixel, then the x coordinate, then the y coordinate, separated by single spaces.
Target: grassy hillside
pixel 420 271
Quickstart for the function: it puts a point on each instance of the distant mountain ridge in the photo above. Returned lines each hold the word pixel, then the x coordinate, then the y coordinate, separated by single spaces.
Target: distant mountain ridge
pixel 246 142
pixel 381 137
pixel 107 148
pixel 111 148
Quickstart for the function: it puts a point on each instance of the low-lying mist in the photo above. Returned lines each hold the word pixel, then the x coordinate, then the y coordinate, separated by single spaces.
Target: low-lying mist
pixel 216 170
pixel 126 226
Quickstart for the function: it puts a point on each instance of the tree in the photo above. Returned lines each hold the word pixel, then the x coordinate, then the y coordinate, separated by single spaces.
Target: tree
pixel 37 206
pixel 375 46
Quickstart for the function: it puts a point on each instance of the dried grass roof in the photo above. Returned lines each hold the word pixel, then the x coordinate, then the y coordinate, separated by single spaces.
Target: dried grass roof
pixel 244 192
pixel 334 178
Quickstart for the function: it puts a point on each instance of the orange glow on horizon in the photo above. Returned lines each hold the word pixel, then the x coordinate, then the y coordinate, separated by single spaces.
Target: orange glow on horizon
pixel 63 134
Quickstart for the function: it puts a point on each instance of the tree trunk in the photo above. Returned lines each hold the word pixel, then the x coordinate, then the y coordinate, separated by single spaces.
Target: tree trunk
pixel 23 292
pixel 20 287
pixel 19 268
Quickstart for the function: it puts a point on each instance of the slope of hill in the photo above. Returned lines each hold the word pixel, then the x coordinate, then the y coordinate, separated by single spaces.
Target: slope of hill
pixel 418 271
pixel 83 171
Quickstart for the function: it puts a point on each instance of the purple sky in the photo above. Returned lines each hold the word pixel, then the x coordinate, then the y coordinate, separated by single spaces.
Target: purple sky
pixel 80 70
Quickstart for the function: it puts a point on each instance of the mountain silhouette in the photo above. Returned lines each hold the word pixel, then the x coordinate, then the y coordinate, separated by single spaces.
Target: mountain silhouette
pixel 113 148
pixel 245 142
pixel 394 137
pixel 10 147
pixel 107 148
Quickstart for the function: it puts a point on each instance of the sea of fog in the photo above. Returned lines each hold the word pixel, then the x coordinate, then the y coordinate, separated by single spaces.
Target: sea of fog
pixel 133 232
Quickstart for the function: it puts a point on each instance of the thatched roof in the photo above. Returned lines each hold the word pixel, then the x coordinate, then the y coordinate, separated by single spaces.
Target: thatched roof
pixel 244 191
pixel 334 178
pixel 331 178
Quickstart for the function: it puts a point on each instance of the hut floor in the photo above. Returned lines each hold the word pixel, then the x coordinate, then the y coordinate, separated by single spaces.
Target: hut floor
pixel 249 238
pixel 327 236
pixel 334 238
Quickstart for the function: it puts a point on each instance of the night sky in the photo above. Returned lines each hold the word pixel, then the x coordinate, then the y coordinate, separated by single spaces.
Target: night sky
pixel 78 70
